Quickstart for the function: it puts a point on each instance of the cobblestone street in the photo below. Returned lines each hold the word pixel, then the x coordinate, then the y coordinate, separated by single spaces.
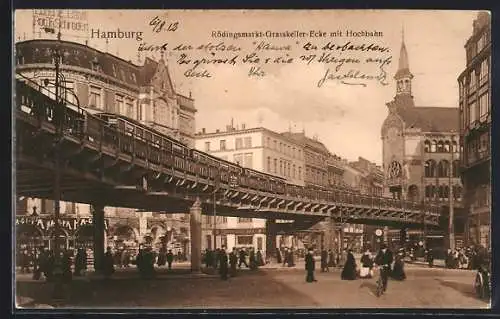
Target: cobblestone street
pixel 266 288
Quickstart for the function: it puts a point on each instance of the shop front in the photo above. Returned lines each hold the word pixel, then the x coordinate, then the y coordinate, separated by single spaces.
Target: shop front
pixel 242 238
pixel 39 231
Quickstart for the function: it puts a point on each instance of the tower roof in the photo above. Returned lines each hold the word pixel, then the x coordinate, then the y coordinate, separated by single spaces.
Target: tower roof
pixel 404 64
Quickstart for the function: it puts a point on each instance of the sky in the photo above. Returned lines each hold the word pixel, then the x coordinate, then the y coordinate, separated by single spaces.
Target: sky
pixel 346 118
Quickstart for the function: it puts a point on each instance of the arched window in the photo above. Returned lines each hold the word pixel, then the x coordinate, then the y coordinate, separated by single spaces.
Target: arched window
pixel 413 193
pixel 443 168
pixel 428 191
pixel 454 147
pixel 441 191
pixel 456 168
pixel 269 164
pixel 433 146
pixel 435 190
pixel 430 168
pixel 427 146
pixel 447 146
pixel 446 191
pixel 440 147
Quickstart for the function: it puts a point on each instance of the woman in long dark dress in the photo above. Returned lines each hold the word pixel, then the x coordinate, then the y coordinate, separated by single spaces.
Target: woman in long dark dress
pixel 398 272
pixel 349 271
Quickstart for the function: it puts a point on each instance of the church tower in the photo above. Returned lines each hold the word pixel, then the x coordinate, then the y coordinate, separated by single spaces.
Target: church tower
pixel 403 76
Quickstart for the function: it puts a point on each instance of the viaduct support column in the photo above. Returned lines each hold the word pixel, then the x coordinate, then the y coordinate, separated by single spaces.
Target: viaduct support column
pixel 271 233
pixel 195 230
pixel 98 229
pixel 330 233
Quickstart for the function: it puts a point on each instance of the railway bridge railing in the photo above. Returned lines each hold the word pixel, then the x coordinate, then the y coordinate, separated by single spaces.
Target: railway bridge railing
pixel 156 163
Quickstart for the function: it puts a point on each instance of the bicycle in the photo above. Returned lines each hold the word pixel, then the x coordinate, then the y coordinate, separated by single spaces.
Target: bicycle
pixel 379 291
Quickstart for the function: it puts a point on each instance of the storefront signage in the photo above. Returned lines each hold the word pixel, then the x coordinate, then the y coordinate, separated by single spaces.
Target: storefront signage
pixel 284 221
pixel 243 231
pixel 66 223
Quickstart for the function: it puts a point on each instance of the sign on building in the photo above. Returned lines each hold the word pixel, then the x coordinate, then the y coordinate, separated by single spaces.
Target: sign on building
pixel 73 24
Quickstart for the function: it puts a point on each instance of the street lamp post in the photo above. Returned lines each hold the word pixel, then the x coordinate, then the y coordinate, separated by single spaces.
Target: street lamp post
pixel 59 116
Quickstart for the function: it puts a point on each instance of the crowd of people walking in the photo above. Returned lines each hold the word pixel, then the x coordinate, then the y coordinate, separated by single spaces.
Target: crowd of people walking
pixel 42 262
pixel 227 264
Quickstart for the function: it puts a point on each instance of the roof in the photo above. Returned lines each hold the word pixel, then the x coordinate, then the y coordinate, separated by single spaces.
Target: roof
pixel 79 55
pixel 300 137
pixel 431 119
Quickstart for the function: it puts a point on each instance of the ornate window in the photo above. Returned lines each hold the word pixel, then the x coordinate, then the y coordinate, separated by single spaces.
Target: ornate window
pixel 427 146
pixel 443 168
pixel 430 168
pixel 447 146
pixel 433 146
pixel 440 147
pixel 395 169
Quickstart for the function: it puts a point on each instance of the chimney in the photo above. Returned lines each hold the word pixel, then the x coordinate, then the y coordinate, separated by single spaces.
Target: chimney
pixel 228 128
pixel 203 130
pixel 243 126
pixel 217 131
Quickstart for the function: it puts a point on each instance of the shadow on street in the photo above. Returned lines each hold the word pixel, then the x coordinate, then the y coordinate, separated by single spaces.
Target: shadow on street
pixel 372 287
pixel 167 290
pixel 465 289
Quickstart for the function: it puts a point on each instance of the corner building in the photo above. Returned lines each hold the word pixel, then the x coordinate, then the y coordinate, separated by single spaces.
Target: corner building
pixel 103 82
pixel 475 132
pixel 421 158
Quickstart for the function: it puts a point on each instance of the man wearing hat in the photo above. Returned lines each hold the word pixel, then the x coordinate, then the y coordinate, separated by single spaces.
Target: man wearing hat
pixel 310 265
pixel 384 260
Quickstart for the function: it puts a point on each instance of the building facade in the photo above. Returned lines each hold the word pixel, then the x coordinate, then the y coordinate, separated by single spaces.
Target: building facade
pixel 101 82
pixel 256 148
pixel 475 131
pixel 315 156
pixel 124 228
pixel 420 153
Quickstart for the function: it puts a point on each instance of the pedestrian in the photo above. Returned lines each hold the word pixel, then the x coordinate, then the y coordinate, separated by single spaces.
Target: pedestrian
pixel 170 258
pixel 331 258
pixel 216 258
pixel 285 256
pixel 233 260
pixel 124 259
pixel 139 260
pixel 349 271
pixel 430 258
pixel 384 260
pixel 242 258
pixel 223 269
pixel 324 260
pixel 260 260
pixel 366 265
pixel 25 261
pixel 291 259
pixel 310 265
pixel 66 266
pixel 398 272
pixel 252 259
pixel 278 256
pixel 162 258
pixel 36 265
pixel 80 262
pixel 108 264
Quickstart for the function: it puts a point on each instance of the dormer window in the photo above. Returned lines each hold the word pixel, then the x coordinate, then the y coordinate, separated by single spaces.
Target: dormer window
pixel 95 65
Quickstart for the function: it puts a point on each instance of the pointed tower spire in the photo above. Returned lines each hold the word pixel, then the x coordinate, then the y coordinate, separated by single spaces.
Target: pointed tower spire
pixel 403 75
